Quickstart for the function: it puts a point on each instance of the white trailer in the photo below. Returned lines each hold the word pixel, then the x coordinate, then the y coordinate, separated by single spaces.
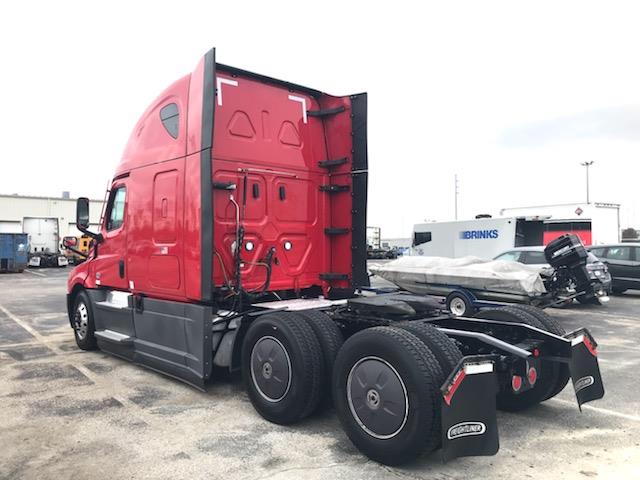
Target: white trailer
pixel 44 242
pixel 595 223
pixel 481 237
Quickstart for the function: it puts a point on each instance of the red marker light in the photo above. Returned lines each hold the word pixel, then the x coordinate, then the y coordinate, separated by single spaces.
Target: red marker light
pixel 590 346
pixel 457 380
pixel 516 383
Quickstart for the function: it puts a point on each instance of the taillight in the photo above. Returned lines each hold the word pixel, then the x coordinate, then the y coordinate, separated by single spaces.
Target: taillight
pixel 516 383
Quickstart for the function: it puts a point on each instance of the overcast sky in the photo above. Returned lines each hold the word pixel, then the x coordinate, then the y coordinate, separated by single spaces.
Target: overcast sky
pixel 511 98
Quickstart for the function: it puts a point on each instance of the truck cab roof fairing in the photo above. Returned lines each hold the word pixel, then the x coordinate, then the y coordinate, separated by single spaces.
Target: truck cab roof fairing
pixel 191 104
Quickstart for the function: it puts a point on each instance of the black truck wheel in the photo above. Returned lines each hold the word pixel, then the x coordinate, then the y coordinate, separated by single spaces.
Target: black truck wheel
pixel 547 377
pixel 83 324
pixel 459 305
pixel 550 325
pixel 330 340
pixel 445 351
pixel 282 367
pixel 386 393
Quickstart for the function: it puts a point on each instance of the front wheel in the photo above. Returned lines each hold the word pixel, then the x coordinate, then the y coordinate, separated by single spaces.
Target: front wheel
pixel 83 323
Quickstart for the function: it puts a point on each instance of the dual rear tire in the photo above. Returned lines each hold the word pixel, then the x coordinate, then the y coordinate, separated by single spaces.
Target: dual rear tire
pixel 386 389
pixel 386 394
pixel 287 360
pixel 385 381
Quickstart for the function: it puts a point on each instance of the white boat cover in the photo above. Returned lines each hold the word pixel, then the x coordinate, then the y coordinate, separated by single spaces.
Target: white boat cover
pixel 416 273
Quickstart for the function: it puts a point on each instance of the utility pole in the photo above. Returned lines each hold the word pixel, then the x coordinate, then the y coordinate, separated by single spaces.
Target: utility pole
pixel 587 165
pixel 455 198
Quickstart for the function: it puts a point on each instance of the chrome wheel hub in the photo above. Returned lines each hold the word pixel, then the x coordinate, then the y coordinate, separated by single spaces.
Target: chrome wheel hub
pixel 458 307
pixel 81 321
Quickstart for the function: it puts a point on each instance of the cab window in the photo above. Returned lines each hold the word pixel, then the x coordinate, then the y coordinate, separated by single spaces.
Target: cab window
pixel 115 216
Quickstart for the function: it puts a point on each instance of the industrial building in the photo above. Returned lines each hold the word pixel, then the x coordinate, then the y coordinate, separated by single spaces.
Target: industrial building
pixel 33 215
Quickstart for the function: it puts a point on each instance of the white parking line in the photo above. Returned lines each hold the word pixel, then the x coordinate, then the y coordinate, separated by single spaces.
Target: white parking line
pixel 604 411
pixel 48 342
pixel 27 327
pixel 35 273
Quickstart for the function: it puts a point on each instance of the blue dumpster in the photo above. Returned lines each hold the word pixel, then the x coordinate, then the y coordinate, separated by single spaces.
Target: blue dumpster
pixel 14 248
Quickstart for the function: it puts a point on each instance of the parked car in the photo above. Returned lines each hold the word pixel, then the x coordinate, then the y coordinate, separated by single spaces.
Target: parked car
pixel 535 256
pixel 381 254
pixel 623 261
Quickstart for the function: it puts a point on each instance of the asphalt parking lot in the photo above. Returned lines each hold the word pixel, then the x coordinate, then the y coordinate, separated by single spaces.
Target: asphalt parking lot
pixel 73 414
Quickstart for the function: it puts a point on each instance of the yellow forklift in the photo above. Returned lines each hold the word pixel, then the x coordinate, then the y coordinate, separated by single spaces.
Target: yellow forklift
pixel 77 248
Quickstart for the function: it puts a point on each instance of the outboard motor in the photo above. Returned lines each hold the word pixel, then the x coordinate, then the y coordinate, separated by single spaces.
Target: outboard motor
pixel 568 252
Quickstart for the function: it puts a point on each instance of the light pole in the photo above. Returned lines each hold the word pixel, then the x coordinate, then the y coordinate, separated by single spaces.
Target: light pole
pixel 455 196
pixel 587 165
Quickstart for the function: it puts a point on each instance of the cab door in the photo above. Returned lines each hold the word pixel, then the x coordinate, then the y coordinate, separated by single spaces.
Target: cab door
pixel 110 266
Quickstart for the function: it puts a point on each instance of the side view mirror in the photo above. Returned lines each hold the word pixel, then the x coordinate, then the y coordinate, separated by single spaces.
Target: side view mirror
pixel 82 213
pixel 69 242
pixel 82 219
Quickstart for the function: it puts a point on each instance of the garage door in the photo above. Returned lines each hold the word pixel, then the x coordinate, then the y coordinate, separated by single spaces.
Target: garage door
pixel 10 227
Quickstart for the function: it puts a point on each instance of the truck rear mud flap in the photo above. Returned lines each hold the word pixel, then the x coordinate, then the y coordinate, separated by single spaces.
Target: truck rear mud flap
pixel 469 425
pixel 583 366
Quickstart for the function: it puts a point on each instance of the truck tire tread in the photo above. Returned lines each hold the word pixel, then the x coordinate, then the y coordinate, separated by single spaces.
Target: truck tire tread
pixel 421 373
pixel 330 340
pixel 303 401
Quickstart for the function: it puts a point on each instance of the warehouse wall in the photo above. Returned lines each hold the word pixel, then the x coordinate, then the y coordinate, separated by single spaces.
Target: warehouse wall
pixel 14 208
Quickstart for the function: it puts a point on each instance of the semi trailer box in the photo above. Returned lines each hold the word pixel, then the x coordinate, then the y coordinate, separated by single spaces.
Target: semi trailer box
pixel 234 235
pixel 594 223
pixel 44 242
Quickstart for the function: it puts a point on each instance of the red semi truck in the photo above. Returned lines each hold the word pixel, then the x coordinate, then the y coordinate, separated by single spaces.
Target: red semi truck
pixel 234 236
